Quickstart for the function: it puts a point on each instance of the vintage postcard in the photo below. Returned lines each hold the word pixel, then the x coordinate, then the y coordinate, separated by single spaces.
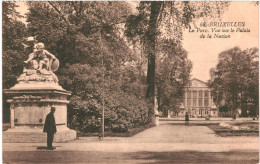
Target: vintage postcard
pixel 130 82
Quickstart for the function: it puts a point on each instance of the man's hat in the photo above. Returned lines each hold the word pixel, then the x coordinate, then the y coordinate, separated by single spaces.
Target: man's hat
pixel 53 108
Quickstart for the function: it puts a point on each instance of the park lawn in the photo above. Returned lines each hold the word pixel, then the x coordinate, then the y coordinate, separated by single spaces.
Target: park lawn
pixel 228 132
pixel 253 125
pixel 130 133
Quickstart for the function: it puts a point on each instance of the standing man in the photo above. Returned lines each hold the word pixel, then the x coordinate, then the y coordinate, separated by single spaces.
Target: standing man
pixel 187 118
pixel 50 128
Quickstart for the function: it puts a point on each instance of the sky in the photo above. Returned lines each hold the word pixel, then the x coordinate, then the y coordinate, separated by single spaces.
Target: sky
pixel 203 52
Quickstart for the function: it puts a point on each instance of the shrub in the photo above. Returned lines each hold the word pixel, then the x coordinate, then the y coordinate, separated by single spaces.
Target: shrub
pixel 122 112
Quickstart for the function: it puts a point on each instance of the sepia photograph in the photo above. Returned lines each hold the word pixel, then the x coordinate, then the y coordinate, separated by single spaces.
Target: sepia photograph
pixel 130 82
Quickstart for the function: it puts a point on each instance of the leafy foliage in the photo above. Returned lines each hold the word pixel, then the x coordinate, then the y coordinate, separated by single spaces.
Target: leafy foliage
pixel 173 74
pixel 95 62
pixel 123 109
pixel 165 20
pixel 13 50
pixel 235 79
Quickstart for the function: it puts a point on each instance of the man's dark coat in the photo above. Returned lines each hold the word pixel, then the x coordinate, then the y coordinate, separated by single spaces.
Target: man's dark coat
pixel 50 125
pixel 50 128
pixel 186 117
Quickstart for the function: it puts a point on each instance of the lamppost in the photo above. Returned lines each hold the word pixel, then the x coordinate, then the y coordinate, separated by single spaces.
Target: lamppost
pixel 103 90
pixel 103 99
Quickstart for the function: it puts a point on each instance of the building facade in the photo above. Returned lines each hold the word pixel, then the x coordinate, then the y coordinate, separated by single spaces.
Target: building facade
pixel 197 100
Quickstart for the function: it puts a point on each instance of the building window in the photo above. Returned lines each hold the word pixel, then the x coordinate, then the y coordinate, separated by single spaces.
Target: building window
pixel 189 101
pixel 189 94
pixel 206 101
pixel 206 94
pixel 200 101
pixel 194 94
pixel 194 102
pixel 189 98
pixel 200 94
pixel 194 98
pixel 200 98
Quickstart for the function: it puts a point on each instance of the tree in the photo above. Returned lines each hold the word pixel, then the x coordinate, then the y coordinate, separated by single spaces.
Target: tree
pixel 13 34
pixel 165 19
pixel 235 79
pixel 173 74
pixel 78 24
pixel 86 38
pixel 13 52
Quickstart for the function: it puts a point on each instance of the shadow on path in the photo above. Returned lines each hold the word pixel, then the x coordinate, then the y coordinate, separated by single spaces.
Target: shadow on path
pixel 240 157
pixel 42 148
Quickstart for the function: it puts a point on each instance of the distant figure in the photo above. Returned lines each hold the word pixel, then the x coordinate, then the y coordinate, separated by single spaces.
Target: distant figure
pixel 187 118
pixel 234 117
pixel 50 128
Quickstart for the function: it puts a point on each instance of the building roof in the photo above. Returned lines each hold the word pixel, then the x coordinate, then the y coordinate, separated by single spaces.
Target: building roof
pixel 197 83
pixel 198 80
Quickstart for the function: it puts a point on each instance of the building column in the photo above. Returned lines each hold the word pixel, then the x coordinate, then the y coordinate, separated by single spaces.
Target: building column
pixel 12 116
pixel 209 99
pixel 191 97
pixel 203 99
pixel 203 105
pixel 197 100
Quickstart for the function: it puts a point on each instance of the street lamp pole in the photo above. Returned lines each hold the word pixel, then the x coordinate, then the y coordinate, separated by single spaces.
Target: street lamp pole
pixel 103 90
pixel 103 99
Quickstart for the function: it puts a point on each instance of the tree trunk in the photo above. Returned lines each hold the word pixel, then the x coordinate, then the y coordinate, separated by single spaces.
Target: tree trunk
pixel 159 98
pixel 257 107
pixel 150 47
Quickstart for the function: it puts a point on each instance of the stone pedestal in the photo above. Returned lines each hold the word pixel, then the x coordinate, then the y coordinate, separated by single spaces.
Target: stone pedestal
pixel 30 102
pixel 157 123
pixel 169 114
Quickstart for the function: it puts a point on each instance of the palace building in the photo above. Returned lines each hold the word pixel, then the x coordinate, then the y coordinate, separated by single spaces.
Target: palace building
pixel 197 100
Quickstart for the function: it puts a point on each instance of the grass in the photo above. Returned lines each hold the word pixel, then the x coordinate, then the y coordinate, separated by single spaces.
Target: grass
pixel 130 133
pixel 227 132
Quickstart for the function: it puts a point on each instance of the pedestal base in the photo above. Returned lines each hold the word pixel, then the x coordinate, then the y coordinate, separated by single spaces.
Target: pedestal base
pixel 30 101
pixel 36 136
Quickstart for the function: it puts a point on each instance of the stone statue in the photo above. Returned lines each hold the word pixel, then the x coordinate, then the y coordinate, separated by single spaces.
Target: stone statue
pixel 40 58
pixel 36 92
pixel 40 66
